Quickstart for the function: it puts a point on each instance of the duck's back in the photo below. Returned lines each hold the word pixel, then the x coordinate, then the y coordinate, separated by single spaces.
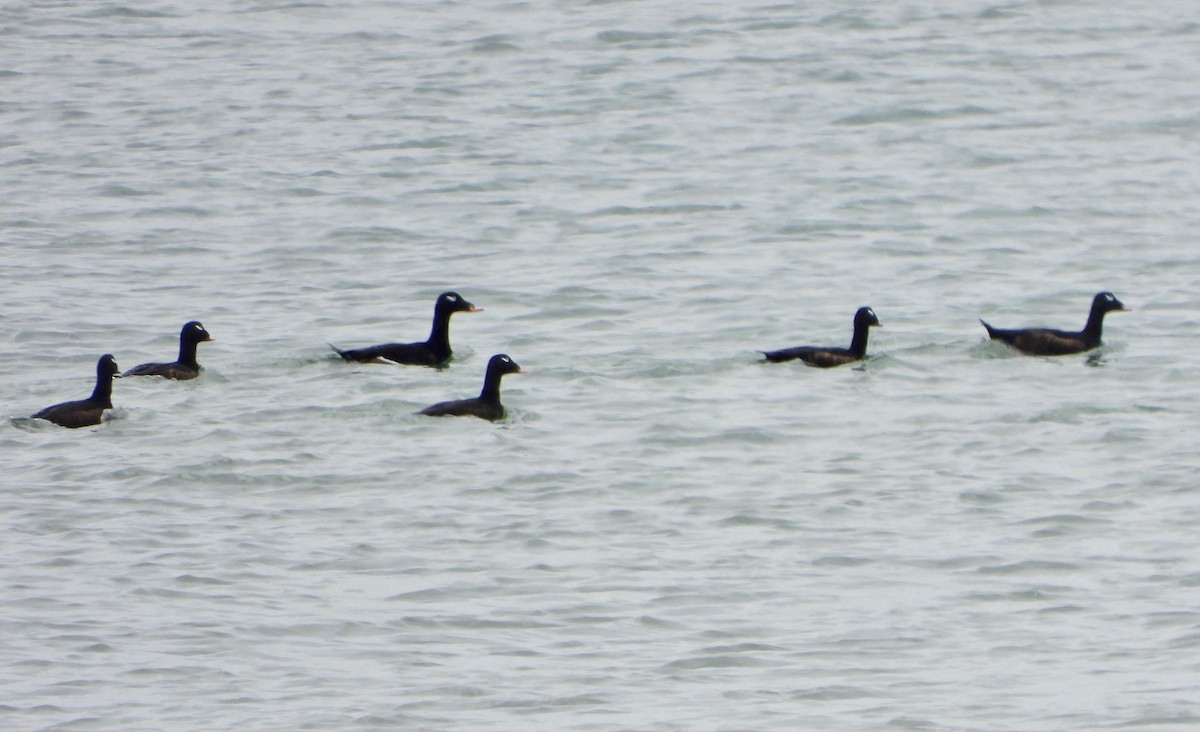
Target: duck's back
pixel 173 370
pixel 1041 341
pixel 813 356
pixel 408 354
pixel 80 413
pixel 476 407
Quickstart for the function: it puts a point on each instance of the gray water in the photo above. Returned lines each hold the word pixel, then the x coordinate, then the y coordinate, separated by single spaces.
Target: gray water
pixel 664 533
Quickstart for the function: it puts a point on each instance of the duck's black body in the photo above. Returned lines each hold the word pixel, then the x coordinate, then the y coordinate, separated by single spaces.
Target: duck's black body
pixel 192 335
pixel 1049 342
pixel 90 411
pixel 432 352
pixel 826 357
pixel 485 406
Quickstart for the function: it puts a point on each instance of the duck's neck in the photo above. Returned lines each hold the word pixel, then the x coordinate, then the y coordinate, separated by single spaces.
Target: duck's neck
pixel 102 394
pixel 1095 321
pixel 491 386
pixel 858 346
pixel 439 334
pixel 187 352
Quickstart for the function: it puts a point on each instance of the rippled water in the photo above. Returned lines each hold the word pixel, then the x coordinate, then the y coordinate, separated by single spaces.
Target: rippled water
pixel 665 533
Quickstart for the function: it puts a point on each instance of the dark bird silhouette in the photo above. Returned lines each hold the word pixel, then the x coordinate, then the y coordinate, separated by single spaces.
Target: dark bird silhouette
pixel 192 335
pixel 432 352
pixel 1048 342
pixel 826 357
pixel 90 411
pixel 485 406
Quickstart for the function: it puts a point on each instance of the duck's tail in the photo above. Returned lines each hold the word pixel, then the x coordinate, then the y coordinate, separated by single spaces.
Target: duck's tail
pixel 992 333
pixel 787 354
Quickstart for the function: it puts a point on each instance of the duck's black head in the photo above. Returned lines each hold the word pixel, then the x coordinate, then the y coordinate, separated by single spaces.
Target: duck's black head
pixel 501 364
pixel 193 332
pixel 1107 302
pixel 107 366
pixel 452 302
pixel 865 318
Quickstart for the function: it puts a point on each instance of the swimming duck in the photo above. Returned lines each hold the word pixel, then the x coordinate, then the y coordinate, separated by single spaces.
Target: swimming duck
pixel 826 357
pixel 432 352
pixel 485 406
pixel 90 411
pixel 186 367
pixel 1048 342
